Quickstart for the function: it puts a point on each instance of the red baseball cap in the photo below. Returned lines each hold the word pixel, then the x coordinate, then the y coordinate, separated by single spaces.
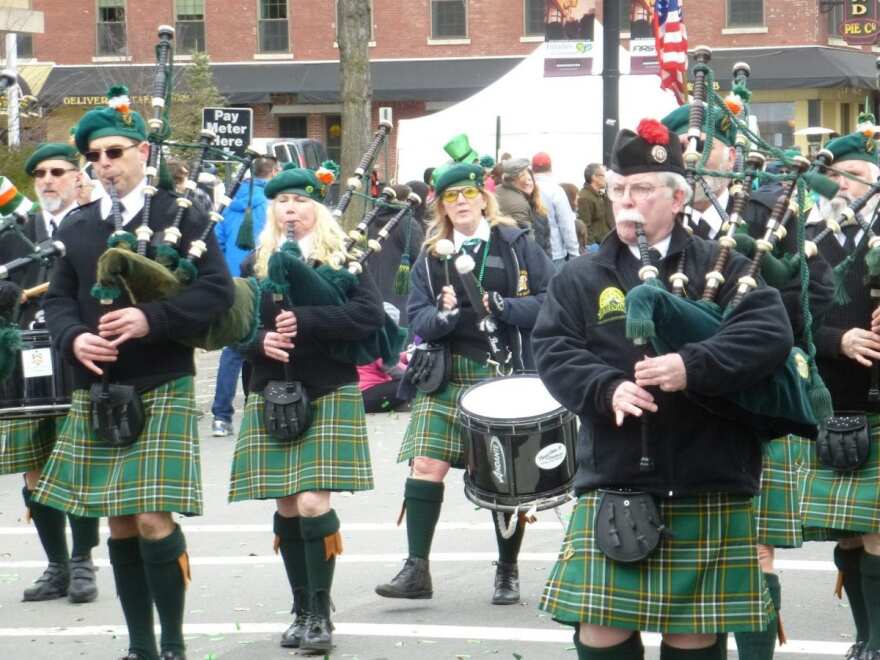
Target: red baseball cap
pixel 540 160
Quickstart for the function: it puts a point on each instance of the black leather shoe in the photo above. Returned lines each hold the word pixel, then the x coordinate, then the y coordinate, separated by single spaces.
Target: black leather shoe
pixel 855 651
pixel 83 588
pixel 506 584
pixel 318 635
pixel 53 583
pixel 870 654
pixel 134 655
pixel 173 655
pixel 293 635
pixel 413 581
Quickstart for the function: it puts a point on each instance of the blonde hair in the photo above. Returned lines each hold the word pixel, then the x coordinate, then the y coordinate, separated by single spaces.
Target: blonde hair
pixel 328 240
pixel 441 225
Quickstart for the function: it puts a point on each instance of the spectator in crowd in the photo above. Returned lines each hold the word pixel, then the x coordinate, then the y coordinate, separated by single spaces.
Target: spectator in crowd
pixel 378 382
pixel 571 191
pixel 488 164
pixel 423 190
pixel 594 207
pixel 519 198
pixel 179 174
pixel 235 235
pixel 563 237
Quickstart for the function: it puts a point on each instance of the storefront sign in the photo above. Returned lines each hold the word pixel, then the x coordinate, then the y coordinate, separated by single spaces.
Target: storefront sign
pixel 860 23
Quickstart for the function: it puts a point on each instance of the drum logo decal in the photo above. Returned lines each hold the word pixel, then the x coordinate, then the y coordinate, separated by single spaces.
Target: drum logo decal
pixel 499 464
pixel 611 302
pixel 551 456
pixel 36 363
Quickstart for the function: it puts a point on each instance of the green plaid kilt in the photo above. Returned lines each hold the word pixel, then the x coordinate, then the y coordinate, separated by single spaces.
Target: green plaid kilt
pixel 334 453
pixel 847 502
pixel 159 472
pixel 434 430
pixel 777 506
pixel 704 579
pixel 25 444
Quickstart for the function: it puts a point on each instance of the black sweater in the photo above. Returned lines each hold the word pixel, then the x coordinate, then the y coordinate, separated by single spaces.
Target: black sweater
pixel 71 309
pixel 14 244
pixel 582 355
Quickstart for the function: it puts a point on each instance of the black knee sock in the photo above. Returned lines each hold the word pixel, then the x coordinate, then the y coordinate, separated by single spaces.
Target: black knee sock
pixel 871 591
pixel 714 652
pixel 134 594
pixel 849 563
pixel 508 549
pixel 50 528
pixel 761 644
pixel 293 552
pixel 85 534
pixel 631 649
pixel 423 502
pixel 166 566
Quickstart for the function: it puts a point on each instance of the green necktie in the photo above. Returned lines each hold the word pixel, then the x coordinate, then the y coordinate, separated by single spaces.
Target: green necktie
pixel 471 245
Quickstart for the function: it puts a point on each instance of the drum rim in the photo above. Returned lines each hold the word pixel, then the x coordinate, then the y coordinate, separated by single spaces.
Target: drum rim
pixel 550 500
pixel 465 414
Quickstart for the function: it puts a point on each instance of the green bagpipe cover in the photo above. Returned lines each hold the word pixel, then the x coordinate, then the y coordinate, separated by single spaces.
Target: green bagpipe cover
pixel 777 405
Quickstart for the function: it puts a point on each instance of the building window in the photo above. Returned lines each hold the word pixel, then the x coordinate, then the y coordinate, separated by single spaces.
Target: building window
pixel 835 20
pixel 372 24
pixel 745 13
pixel 844 119
pixel 814 112
pixel 333 137
pixel 449 19
pixel 273 26
pixel 293 127
pixel 111 27
pixel 777 122
pixel 533 18
pixel 190 26
pixel 24 45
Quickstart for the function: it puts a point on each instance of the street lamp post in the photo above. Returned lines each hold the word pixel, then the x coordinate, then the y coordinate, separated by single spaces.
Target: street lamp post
pixel 610 75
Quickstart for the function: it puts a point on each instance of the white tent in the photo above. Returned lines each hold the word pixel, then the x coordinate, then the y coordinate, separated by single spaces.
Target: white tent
pixel 562 116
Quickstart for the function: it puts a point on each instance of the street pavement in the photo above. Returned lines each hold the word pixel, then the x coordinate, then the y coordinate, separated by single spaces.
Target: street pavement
pixel 238 603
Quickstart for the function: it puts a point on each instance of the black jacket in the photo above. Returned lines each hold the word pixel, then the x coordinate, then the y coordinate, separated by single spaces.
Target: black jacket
pixel 582 355
pixel 71 309
pixel 14 244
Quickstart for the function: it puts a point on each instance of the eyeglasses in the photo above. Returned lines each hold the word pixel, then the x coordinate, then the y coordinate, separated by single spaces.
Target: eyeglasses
pixel 112 153
pixel 56 172
pixel 638 192
pixel 451 195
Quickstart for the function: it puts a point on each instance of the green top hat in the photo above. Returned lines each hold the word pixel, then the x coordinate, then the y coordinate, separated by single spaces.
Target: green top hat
pixel 457 174
pixel 117 119
pixel 51 151
pixel 459 149
pixel 679 119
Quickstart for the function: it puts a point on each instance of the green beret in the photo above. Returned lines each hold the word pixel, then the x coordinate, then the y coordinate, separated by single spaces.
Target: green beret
pixel 296 180
pixel 118 119
pixel 679 119
pixel 487 161
pixel 51 151
pixel 854 146
pixel 457 174
pixel 459 149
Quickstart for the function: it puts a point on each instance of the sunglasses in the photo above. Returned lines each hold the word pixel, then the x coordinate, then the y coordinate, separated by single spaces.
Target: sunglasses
pixel 451 195
pixel 112 153
pixel 56 172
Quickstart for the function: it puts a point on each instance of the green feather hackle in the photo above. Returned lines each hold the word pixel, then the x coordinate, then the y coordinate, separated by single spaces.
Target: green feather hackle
pixel 117 90
pixel 10 347
pixel 186 271
pixel 123 239
pixel 740 89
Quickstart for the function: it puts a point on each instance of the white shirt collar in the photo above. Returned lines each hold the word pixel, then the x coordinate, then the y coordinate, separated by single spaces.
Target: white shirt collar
pixel 482 232
pixel 132 203
pixel 56 218
pixel 306 245
pixel 662 247
pixel 710 215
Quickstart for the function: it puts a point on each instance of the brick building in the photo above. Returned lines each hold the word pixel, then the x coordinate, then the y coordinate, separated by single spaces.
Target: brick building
pixel 280 58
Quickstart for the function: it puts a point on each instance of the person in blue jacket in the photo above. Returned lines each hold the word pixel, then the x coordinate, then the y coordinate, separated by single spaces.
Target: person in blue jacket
pixel 236 239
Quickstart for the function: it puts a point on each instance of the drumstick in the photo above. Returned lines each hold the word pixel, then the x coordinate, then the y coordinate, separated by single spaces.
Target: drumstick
pixel 34 292
pixel 444 249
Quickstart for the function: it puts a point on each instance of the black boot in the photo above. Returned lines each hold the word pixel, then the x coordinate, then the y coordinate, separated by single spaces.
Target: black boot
pixel 292 637
pixel 83 588
pixel 855 651
pixel 413 581
pixel 172 655
pixel 319 629
pixel 506 584
pixel 53 583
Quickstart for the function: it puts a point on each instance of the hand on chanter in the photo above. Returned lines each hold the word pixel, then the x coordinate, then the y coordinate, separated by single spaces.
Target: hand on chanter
pixel 664 371
pixel 875 321
pixel 277 346
pixel 123 324
pixel 630 399
pixel 89 348
pixel 285 324
pixel 861 345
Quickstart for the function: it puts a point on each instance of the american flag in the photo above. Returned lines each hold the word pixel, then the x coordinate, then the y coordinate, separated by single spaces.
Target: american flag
pixel 670 38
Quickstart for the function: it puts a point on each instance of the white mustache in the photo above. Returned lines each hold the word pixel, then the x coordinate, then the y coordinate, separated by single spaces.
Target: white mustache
pixel 630 215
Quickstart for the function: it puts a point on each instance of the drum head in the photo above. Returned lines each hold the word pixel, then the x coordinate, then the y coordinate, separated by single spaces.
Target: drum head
pixel 513 398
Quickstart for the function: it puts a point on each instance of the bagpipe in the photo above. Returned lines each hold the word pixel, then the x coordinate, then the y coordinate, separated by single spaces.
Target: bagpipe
pixel 794 398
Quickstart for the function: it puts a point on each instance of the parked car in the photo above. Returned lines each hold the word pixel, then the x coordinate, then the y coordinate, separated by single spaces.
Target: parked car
pixel 302 151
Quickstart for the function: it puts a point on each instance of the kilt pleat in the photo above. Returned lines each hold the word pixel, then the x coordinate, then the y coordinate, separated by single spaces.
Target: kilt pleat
pixel 777 506
pixel 834 502
pixel 703 579
pixel 334 453
pixel 159 472
pixel 25 444
pixel 433 430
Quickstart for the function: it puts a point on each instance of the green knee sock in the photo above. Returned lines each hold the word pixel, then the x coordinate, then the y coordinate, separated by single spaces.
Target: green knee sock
pixel 293 552
pixel 760 645
pixel 423 502
pixel 714 652
pixel 849 563
pixel 50 528
pixel 508 549
pixel 134 595
pixel 631 649
pixel 871 591
pixel 321 545
pixel 85 534
pixel 167 569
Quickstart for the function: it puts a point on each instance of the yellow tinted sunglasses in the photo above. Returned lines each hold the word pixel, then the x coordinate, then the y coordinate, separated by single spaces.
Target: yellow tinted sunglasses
pixel 451 195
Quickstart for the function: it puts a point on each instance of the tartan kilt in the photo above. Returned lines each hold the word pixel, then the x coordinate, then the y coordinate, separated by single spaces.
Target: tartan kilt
pixel 704 579
pixel 837 503
pixel 334 453
pixel 433 430
pixel 25 444
pixel 777 506
pixel 159 472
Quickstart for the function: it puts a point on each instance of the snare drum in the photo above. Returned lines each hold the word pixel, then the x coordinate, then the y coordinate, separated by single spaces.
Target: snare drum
pixel 41 382
pixel 521 444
